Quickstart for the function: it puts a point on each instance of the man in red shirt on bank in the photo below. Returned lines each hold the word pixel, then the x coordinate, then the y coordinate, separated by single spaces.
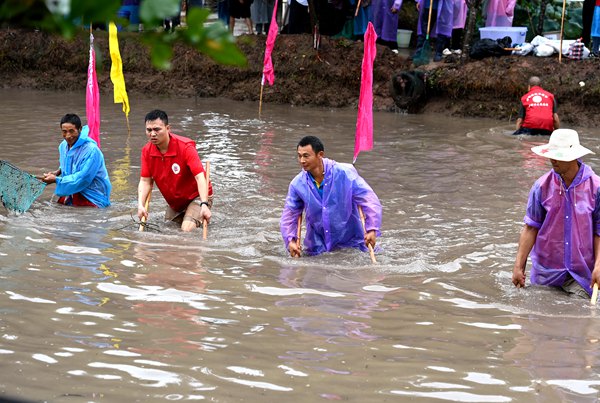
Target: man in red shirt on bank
pixel 537 114
pixel 172 162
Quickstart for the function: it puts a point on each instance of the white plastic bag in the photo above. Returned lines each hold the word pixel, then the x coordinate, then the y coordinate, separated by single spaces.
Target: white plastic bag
pixel 543 50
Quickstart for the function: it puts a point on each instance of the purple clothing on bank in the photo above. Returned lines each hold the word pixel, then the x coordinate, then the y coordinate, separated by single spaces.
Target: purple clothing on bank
pixel 384 21
pixel 500 13
pixel 460 14
pixel 445 19
pixel 332 221
pixel 567 220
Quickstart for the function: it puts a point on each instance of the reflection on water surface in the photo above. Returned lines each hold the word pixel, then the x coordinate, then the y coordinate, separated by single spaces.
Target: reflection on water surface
pixel 93 310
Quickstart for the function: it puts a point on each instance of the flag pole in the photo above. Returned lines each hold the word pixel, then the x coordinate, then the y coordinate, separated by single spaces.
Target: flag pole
pixel 128 128
pixel 262 85
pixel 268 73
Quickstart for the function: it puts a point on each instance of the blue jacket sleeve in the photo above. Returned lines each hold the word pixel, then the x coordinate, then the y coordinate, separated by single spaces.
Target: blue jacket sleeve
pixel 84 171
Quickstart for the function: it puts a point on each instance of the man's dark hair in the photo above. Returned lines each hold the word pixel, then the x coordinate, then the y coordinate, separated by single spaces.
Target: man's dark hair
pixel 313 141
pixel 73 119
pixel 157 114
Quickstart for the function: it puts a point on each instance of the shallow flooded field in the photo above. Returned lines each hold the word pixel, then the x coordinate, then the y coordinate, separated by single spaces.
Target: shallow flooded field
pixel 93 310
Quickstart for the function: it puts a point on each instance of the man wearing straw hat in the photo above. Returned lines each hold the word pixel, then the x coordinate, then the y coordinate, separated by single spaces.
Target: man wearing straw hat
pixel 172 162
pixel 562 222
pixel 331 195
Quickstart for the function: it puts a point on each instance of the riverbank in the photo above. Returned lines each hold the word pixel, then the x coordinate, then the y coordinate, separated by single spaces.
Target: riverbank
pixel 329 78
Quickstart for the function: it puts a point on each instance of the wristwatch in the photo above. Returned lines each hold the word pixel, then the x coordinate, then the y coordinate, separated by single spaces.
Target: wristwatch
pixel 203 202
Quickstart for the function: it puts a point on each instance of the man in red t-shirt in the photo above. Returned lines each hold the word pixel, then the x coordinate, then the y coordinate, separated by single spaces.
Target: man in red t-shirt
pixel 173 163
pixel 537 114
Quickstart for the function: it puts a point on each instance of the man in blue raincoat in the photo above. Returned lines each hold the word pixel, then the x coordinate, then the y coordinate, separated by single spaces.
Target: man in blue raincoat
pixel 81 179
pixel 330 193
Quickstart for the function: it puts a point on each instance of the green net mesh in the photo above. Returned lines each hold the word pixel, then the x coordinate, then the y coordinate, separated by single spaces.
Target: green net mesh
pixel 18 189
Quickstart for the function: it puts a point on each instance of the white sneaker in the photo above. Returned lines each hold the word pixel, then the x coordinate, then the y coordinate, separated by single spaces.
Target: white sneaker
pixel 447 52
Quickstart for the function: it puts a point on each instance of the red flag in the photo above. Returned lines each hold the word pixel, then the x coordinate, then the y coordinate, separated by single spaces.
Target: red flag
pixel 268 70
pixel 92 97
pixel 363 140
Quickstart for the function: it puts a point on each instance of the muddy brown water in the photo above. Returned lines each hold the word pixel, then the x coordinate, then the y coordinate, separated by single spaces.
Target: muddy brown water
pixel 92 310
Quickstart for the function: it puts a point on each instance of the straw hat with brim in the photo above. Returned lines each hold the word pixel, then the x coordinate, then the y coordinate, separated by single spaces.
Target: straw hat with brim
pixel 562 146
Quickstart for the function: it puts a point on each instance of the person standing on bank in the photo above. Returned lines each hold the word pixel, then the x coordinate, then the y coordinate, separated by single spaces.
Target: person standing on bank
pixel 173 163
pixel 562 222
pixel 330 193
pixel 537 113
pixel 442 23
pixel 81 179
pixel 385 22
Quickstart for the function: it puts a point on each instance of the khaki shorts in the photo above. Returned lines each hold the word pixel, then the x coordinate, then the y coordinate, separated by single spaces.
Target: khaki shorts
pixel 572 287
pixel 191 213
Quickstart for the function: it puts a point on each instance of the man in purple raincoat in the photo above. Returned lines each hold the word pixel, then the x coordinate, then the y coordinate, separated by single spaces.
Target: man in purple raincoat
pixel 330 194
pixel 562 223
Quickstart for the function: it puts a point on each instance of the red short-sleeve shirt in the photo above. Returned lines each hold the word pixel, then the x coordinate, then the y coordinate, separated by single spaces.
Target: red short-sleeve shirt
pixel 174 171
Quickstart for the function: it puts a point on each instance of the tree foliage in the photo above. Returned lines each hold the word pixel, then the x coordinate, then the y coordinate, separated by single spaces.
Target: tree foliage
pixel 67 16
pixel 548 15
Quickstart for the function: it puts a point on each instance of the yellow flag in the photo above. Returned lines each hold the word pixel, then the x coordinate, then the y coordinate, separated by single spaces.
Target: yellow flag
pixel 116 69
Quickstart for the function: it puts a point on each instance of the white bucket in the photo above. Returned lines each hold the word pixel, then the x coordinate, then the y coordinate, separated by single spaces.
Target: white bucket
pixel 403 37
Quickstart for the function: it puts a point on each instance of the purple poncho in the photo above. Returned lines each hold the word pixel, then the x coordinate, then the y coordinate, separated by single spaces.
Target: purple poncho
pixel 567 220
pixel 386 22
pixel 445 19
pixel 500 13
pixel 332 221
pixel 460 14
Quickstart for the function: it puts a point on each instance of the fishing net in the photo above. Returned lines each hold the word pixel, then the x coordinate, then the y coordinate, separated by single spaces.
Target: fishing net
pixel 18 189
pixel 408 90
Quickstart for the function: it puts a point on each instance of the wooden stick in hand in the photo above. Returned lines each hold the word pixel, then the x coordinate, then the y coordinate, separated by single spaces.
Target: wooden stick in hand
pixel 362 220
pixel 204 222
pixel 594 294
pixel 146 206
pixel 299 233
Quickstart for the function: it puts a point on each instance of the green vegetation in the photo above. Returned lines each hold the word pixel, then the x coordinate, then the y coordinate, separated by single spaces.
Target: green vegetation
pixel 67 16
pixel 528 12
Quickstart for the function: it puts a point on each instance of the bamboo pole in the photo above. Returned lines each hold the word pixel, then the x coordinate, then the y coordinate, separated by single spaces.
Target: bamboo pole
pixel 146 206
pixel 204 222
pixel 562 30
pixel 299 232
pixel 357 8
pixel 362 220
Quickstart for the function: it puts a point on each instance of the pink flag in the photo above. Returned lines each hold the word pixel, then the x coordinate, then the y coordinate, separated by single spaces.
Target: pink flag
pixel 268 70
pixel 363 140
pixel 92 97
